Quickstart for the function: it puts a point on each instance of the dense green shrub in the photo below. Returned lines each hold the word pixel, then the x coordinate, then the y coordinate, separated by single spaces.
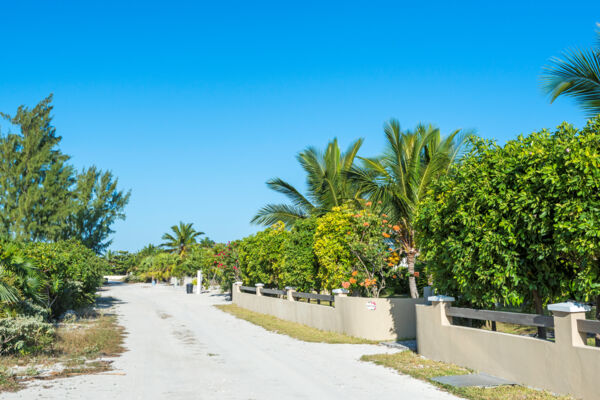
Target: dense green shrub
pixel 73 273
pixel 518 223
pixel 300 266
pixel 24 335
pixel 261 256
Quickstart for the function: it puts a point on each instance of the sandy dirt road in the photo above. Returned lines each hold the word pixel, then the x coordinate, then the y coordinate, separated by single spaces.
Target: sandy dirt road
pixel 181 347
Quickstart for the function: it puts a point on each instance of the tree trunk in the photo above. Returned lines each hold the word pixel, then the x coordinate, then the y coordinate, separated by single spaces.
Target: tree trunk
pixel 412 282
pixel 597 317
pixel 539 309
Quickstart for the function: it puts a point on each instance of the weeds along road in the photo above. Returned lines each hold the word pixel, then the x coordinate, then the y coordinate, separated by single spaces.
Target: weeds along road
pixel 181 347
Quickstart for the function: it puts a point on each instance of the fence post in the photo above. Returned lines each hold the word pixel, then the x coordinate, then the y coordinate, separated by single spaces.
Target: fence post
pixel 259 287
pixel 290 293
pixel 439 304
pixel 340 292
pixel 236 287
pixel 565 316
pixel 199 282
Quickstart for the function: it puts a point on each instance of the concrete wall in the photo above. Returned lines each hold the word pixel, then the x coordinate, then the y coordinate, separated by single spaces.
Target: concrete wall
pixel 390 320
pixel 566 366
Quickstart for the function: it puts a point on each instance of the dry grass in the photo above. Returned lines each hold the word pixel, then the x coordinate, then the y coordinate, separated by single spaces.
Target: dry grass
pixel 297 331
pixel 93 338
pixel 421 368
pixel 75 344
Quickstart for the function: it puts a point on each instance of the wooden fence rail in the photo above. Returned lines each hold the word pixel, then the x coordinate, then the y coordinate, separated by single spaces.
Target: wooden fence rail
pixel 248 289
pixel 588 326
pixel 273 291
pixel 502 316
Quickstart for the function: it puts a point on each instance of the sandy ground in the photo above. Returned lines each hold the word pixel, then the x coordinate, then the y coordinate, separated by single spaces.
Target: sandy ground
pixel 180 347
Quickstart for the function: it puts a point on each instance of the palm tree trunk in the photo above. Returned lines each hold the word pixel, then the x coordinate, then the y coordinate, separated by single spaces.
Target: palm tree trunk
pixel 412 282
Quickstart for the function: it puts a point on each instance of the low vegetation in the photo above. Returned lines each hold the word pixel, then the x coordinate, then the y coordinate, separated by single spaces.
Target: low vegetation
pixel 409 363
pixel 75 349
pixel 292 329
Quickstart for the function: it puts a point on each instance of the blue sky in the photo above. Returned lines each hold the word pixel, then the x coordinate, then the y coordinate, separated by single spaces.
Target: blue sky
pixel 194 105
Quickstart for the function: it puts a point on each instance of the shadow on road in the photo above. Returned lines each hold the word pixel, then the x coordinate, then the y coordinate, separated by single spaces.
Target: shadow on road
pixel 105 302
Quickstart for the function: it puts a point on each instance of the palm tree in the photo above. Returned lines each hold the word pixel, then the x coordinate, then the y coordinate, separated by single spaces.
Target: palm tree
pixel 19 280
pixel 401 177
pixel 576 74
pixel 183 236
pixel 327 186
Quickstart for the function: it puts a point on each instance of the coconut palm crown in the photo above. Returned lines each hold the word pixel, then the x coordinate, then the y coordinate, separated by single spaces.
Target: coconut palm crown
pixel 327 186
pixel 401 177
pixel 181 238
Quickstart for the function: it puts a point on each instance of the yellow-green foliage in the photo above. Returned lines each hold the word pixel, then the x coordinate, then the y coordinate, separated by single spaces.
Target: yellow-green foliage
pixel 331 246
pixel 159 266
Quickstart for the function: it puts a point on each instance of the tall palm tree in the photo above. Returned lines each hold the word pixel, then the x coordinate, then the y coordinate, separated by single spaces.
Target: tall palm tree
pixel 576 74
pixel 327 185
pixel 401 177
pixel 183 236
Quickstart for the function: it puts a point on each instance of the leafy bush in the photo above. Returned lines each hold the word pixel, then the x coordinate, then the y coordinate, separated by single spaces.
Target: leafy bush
pixel 72 271
pixel 300 266
pixel 24 335
pixel 518 223
pixel 261 256
pixel 332 248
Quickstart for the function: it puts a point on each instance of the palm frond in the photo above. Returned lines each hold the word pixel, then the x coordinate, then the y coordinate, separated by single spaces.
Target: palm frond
pixel 272 213
pixel 576 74
pixel 281 186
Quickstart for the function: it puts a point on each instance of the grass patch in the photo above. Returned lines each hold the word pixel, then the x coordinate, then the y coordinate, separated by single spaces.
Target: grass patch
pixel 295 330
pixel 75 343
pixel 93 338
pixel 421 368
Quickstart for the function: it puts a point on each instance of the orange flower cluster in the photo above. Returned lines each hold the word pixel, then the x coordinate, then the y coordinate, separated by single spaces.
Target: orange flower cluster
pixel 352 280
pixel 396 228
pixel 386 235
pixel 354 273
pixel 345 285
pixel 370 282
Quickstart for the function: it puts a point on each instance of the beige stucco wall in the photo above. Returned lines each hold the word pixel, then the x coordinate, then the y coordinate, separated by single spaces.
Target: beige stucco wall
pixel 565 366
pixel 391 319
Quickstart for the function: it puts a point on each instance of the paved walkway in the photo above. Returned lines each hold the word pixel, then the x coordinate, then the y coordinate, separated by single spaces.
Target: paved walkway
pixel 180 347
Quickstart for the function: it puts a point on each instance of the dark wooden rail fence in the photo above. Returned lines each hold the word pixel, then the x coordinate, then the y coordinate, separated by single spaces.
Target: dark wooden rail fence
pixel 542 321
pixel 248 289
pixel 588 326
pixel 273 291
pixel 315 296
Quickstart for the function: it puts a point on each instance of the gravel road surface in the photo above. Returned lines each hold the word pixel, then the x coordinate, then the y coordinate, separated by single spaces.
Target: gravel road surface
pixel 181 347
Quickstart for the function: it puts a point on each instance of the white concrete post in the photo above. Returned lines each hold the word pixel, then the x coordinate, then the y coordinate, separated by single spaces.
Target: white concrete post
pixel 259 286
pixel 236 287
pixel 199 282
pixel 439 304
pixel 340 292
pixel 565 316
pixel 290 293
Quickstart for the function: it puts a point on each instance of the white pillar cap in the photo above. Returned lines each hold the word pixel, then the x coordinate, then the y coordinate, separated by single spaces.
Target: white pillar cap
pixel 290 288
pixel 441 299
pixel 259 284
pixel 340 291
pixel 238 283
pixel 569 307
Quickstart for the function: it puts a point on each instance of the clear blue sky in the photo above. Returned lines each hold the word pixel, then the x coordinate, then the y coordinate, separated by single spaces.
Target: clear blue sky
pixel 195 105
